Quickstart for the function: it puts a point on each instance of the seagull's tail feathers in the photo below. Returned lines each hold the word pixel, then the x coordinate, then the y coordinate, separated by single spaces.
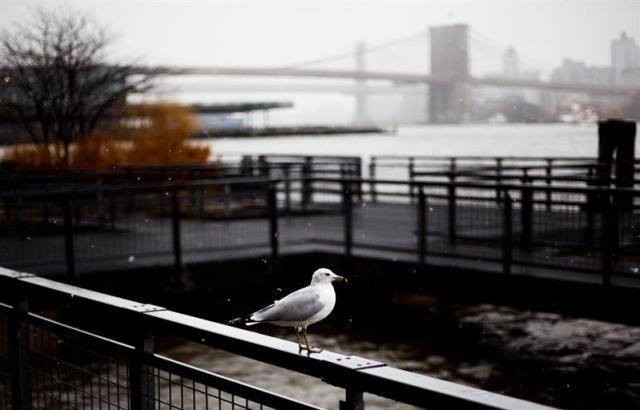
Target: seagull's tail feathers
pixel 252 319
pixel 239 321
pixel 243 320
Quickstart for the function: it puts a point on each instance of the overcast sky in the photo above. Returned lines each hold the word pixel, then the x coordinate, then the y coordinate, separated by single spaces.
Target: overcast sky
pixel 261 32
pixel 277 33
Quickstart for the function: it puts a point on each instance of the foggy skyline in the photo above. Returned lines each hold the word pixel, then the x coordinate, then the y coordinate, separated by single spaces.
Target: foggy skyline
pixel 275 33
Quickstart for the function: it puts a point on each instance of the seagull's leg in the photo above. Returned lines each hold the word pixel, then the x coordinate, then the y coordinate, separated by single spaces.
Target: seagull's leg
pixel 309 348
pixel 300 347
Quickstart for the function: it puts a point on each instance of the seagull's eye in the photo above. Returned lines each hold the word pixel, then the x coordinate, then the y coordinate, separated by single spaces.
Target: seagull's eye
pixel 326 274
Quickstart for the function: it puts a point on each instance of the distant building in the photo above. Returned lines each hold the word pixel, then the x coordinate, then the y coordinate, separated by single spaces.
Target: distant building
pixel 510 63
pixel 511 67
pixel 630 76
pixel 573 71
pixel 625 54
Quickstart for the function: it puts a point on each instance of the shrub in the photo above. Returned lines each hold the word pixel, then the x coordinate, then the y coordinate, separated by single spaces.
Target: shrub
pixel 160 134
pixel 149 134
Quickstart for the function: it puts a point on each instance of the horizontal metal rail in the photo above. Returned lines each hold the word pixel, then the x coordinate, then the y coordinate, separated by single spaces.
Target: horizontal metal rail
pixel 349 372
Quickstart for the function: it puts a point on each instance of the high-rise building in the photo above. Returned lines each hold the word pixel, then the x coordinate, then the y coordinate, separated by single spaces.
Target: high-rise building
pixel 510 63
pixel 625 54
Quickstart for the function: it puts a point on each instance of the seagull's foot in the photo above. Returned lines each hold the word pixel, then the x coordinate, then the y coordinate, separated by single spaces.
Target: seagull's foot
pixel 313 349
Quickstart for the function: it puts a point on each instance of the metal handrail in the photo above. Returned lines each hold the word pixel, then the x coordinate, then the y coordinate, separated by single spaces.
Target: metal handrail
pixel 346 371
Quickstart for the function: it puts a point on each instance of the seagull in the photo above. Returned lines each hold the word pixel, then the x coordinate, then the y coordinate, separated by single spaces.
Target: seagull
pixel 301 308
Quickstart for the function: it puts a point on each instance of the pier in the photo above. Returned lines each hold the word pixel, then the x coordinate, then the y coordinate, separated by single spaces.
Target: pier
pixel 550 219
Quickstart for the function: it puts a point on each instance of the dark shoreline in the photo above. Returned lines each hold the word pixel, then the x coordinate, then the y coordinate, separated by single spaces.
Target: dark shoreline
pixel 286 131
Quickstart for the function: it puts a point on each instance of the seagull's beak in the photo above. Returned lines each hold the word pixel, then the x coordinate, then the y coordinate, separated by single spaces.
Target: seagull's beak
pixel 339 279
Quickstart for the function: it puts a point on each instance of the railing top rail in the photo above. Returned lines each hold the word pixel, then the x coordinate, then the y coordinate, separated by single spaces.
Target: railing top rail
pixel 295 156
pixel 482 158
pixel 489 168
pixel 530 178
pixel 480 185
pixel 345 371
pixel 138 187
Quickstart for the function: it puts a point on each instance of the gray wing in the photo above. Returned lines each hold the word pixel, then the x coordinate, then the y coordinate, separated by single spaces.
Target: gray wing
pixel 297 306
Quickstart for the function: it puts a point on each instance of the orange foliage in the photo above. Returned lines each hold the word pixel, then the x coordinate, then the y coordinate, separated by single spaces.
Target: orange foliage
pixel 156 134
pixel 35 156
pixel 98 151
pixel 161 135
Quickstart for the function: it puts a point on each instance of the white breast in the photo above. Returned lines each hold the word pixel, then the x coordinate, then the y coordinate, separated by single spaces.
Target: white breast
pixel 328 299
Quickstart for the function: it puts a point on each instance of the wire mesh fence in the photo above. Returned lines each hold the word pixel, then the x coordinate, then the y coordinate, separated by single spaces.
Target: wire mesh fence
pixel 5 381
pixel 68 368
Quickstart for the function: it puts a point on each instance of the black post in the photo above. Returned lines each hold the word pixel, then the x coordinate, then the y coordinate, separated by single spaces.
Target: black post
pixel 263 166
pixel 19 354
pixel 358 174
pixel 610 228
pixel 548 174
pixel 141 380
pixel 112 211
pixel 526 217
pixel 69 251
pixel 307 192
pixel 272 205
pixel 372 177
pixel 422 225
pixel 177 242
pixel 287 188
pixel 451 189
pixel 354 400
pixel 507 232
pixel 498 177
pixel 411 170
pixel 347 208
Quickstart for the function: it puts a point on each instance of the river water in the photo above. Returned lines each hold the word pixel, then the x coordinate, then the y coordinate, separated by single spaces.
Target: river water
pixel 562 361
pixel 448 140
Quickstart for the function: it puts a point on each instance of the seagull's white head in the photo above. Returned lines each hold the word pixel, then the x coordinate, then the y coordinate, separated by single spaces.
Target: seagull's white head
pixel 324 275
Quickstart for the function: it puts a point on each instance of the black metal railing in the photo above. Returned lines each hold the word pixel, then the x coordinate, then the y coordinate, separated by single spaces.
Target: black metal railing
pixel 46 362
pixel 584 229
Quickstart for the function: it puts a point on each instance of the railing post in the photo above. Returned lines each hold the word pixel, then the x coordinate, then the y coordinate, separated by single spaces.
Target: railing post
pixel 372 177
pixel 141 381
pixel 358 174
pixel 526 215
pixel 177 241
pixel 263 166
pixel 422 225
pixel 19 354
pixel 307 188
pixel 609 238
pixel 347 207
pixel 411 170
pixel 498 178
pixel 451 194
pixel 69 251
pixel 354 400
pixel 507 232
pixel 100 201
pixel 548 174
pixel 287 188
pixel 226 194
pixel 202 192
pixel 272 205
pixel 112 211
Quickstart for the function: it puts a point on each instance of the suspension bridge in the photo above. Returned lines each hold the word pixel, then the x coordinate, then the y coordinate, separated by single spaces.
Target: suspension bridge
pixel 446 63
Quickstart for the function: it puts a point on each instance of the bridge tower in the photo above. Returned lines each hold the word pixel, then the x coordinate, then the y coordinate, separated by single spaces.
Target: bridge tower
pixel 449 102
pixel 361 116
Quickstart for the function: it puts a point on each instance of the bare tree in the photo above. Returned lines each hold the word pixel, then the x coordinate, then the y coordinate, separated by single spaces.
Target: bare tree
pixel 57 80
